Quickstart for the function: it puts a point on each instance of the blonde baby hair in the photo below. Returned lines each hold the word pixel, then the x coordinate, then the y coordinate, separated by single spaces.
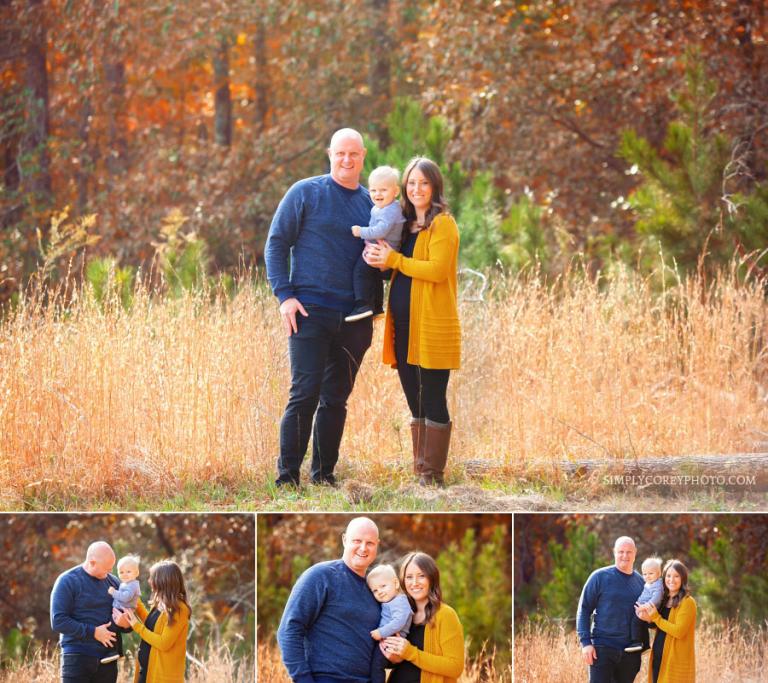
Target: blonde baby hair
pixel 135 560
pixel 384 174
pixel 652 562
pixel 384 570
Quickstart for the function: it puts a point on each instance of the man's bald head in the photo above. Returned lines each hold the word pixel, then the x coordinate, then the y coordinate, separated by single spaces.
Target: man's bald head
pixel 346 133
pixel 99 559
pixel 624 552
pixel 361 544
pixel 347 155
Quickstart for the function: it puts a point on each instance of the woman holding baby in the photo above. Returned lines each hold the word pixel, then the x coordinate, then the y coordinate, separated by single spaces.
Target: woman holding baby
pixel 433 652
pixel 673 658
pixel 163 628
pixel 422 335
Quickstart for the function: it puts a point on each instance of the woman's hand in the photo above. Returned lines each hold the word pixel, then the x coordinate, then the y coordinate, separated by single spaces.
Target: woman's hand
pixel 376 254
pixel 120 617
pixel 388 652
pixel 132 618
pixel 646 611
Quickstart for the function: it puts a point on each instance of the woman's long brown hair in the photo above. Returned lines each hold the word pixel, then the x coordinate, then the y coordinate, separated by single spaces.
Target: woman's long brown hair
pixel 167 584
pixel 432 173
pixel 681 569
pixel 428 566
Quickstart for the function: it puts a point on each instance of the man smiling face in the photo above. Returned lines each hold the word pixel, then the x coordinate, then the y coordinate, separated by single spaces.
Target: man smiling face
pixel 624 552
pixel 361 543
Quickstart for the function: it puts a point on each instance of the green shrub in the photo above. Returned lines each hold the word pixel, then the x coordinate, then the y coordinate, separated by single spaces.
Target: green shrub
pixel 475 584
pixel 108 279
pixel 183 257
pixel 573 563
pixel 721 583
pixel 682 204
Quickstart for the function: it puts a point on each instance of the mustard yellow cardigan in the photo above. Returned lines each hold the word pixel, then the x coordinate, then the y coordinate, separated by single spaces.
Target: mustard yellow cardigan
pixel 678 661
pixel 442 659
pixel 434 339
pixel 169 646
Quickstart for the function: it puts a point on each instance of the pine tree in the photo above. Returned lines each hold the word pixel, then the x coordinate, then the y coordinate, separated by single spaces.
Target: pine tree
pixel 573 563
pixel 682 202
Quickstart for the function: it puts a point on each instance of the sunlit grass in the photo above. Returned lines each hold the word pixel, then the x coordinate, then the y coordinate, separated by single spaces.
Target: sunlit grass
pixel 180 400
pixel 723 655
pixel 218 665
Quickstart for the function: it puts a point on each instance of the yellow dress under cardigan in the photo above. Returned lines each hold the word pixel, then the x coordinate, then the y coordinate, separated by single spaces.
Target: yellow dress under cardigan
pixel 167 658
pixel 678 661
pixel 442 659
pixel 434 339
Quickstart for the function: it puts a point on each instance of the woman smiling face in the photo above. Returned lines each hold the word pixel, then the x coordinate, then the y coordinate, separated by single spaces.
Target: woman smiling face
pixel 416 583
pixel 419 191
pixel 673 581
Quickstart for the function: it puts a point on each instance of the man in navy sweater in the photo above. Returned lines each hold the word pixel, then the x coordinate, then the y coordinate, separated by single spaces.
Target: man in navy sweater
pixel 325 632
pixel 609 596
pixel 81 611
pixel 310 257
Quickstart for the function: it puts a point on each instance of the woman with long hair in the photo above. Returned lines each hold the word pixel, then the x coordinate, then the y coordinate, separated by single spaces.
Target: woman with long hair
pixel 673 656
pixel 163 628
pixel 434 649
pixel 422 336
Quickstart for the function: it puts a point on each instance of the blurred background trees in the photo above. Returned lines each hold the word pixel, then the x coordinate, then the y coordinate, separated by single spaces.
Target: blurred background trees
pixel 472 551
pixel 565 129
pixel 215 552
pixel 727 556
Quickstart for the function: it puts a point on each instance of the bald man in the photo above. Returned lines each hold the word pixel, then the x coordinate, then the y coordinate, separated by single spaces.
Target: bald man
pixel 81 612
pixel 325 632
pixel 310 257
pixel 605 617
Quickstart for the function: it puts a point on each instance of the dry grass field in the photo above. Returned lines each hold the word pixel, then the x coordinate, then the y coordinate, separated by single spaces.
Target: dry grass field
pixel 723 655
pixel 218 666
pixel 176 403
pixel 270 669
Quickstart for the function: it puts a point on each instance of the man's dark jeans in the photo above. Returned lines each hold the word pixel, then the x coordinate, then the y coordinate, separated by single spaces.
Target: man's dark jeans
pixel 614 666
pixel 325 355
pixel 85 669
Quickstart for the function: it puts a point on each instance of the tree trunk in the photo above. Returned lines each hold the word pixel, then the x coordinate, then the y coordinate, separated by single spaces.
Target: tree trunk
pixel 222 126
pixel 380 70
pixel 85 166
pixel 261 85
pixel 35 162
pixel 117 145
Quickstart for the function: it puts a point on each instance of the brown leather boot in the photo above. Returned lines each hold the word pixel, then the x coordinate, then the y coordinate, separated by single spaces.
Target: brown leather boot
pixel 417 438
pixel 436 442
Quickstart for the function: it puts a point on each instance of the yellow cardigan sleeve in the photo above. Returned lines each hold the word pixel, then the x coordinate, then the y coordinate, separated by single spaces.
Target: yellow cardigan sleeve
pixel 684 619
pixel 451 662
pixel 443 244
pixel 164 641
pixel 141 611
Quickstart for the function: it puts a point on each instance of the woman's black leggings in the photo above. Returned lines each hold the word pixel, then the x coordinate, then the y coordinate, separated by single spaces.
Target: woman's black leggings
pixel 424 389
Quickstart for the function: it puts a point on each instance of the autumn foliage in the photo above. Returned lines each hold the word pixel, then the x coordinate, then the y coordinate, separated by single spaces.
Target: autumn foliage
pixel 130 109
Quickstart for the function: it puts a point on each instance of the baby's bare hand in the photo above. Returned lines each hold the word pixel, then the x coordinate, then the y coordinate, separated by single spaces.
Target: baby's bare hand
pixel 111 590
pixel 356 230
pixel 376 635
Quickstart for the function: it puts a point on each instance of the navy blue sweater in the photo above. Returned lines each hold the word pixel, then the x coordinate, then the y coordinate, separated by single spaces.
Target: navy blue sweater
pixel 325 632
pixel 311 252
pixel 80 603
pixel 610 595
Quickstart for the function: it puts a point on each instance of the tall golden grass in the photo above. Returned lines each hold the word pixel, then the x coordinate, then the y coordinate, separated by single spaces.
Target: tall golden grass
pixel 724 654
pixel 485 667
pixel 218 665
pixel 98 401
